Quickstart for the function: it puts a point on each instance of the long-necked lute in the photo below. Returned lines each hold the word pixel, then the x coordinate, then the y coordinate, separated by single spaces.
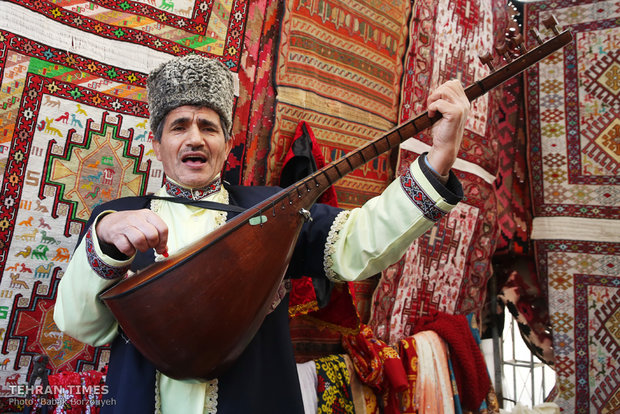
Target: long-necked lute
pixel 193 314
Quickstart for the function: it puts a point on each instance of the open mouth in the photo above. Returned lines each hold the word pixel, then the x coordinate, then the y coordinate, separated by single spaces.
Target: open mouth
pixel 194 159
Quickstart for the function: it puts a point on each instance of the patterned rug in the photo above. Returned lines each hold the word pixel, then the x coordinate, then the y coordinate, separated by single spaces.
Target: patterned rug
pixel 74 134
pixel 445 40
pixel 573 104
pixel 72 148
pixel 115 32
pixel 339 68
pixel 514 215
pixel 172 27
pixel 584 301
pixel 255 105
pixel 448 267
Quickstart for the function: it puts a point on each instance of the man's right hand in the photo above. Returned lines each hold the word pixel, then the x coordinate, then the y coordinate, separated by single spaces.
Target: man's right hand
pixel 133 230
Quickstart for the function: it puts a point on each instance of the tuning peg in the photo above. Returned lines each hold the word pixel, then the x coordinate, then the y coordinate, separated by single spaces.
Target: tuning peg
pixel 536 35
pixel 516 42
pixel 487 59
pixel 512 10
pixel 503 51
pixel 510 33
pixel 552 24
pixel 513 28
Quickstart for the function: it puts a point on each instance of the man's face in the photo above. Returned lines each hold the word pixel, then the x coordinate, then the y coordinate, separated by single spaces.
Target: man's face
pixel 193 149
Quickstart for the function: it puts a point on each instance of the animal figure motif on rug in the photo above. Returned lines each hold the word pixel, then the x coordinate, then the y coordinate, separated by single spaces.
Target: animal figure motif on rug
pixel 75 148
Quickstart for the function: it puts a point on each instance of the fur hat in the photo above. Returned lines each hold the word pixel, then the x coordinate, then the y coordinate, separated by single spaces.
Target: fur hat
pixel 190 80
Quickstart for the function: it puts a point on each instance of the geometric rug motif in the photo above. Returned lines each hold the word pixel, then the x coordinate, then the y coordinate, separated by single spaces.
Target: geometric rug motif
pixel 95 168
pixel 74 134
pixel 600 137
pixel 607 338
pixel 69 146
pixel 430 276
pixel 573 124
pixel 584 304
pixel 140 35
pixel 574 113
pixel 514 214
pixel 445 40
pixel 339 67
pixel 176 27
pixel 447 269
pixel 254 111
pixel 33 331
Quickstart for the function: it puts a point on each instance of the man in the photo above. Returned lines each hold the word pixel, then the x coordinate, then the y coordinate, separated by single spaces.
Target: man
pixel 191 103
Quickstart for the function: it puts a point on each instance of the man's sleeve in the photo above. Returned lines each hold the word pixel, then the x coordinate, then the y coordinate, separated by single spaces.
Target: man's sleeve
pixel 78 311
pixel 366 240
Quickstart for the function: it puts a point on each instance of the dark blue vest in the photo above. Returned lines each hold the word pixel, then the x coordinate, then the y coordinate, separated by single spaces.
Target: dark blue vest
pixel 264 378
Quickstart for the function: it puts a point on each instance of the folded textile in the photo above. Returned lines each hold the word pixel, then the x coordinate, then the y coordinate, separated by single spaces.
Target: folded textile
pixel 409 357
pixel 333 386
pixel 308 383
pixel 357 388
pixel 433 386
pixel 377 364
pixel 470 370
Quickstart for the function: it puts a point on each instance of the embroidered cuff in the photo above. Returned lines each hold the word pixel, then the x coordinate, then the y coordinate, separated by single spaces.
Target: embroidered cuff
pixel 419 197
pixel 332 237
pixel 105 266
pixel 451 191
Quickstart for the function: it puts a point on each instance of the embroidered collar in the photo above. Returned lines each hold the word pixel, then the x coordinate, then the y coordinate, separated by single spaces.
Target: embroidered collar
pixel 175 190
